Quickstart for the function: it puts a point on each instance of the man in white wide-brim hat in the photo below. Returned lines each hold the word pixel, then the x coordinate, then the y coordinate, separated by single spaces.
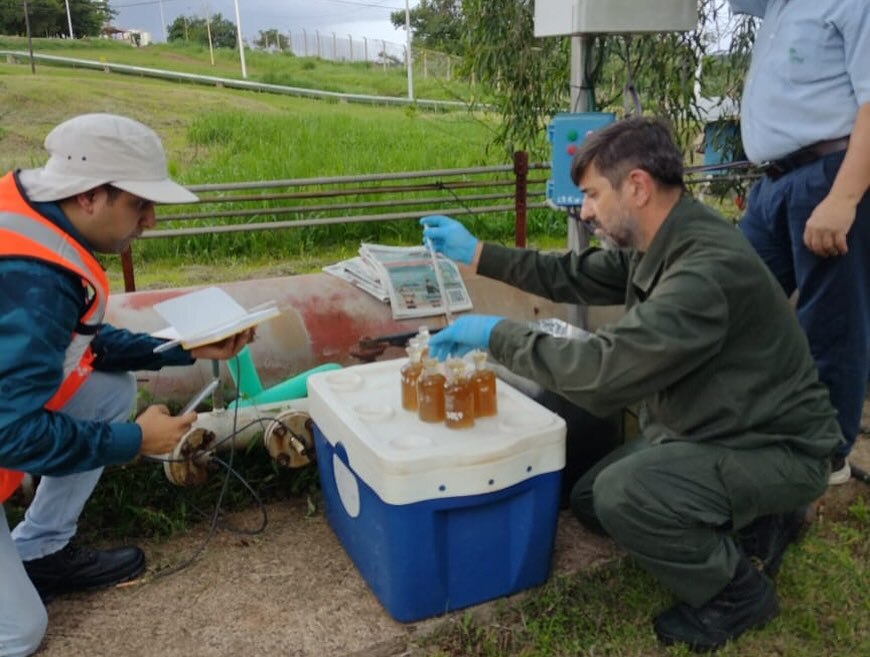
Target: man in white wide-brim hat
pixel 66 391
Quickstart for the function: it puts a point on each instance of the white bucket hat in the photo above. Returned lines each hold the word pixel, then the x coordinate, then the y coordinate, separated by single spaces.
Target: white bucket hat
pixel 95 149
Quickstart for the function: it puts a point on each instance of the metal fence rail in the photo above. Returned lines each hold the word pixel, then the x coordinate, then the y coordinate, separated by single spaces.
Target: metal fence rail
pixel 329 200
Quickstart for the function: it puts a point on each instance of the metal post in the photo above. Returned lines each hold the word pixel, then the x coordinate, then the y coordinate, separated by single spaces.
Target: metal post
pixel 127 269
pixel 241 41
pixel 409 57
pixel 163 22
pixel 69 20
pixel 365 49
pixel 521 171
pixel 334 48
pixel 304 42
pixel 29 38
pixel 384 54
pixel 317 36
pixel 578 239
pixel 350 45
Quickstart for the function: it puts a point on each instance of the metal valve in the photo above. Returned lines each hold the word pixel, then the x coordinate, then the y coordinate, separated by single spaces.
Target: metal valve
pixel 189 464
pixel 289 438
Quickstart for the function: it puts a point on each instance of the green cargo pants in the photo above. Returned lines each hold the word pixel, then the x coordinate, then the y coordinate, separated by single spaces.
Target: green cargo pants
pixel 674 506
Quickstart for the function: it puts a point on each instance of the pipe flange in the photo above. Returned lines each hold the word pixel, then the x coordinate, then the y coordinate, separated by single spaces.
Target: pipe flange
pixel 289 438
pixel 189 464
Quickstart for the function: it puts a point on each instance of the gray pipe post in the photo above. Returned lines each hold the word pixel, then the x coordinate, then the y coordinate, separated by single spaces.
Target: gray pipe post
pixel 578 239
pixel 410 59
pixel 241 41
pixel 163 22
pixel 69 20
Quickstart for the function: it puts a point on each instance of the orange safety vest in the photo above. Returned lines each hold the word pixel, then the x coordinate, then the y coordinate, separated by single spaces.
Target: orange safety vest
pixel 24 233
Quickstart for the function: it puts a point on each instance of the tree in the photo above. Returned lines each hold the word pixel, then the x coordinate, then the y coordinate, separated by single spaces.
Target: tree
pixel 272 38
pixel 435 24
pixel 193 29
pixel 530 76
pixel 48 17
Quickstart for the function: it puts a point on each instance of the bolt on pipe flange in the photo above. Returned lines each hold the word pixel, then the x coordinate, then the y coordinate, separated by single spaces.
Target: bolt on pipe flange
pixel 188 464
pixel 289 439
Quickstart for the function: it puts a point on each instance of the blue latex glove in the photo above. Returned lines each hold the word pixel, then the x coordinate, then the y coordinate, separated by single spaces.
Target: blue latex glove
pixel 467 333
pixel 449 237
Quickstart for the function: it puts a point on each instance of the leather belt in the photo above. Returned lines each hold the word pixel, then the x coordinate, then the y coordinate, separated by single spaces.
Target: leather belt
pixel 804 156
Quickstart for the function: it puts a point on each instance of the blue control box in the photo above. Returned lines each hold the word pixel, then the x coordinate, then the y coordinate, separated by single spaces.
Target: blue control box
pixel 566 132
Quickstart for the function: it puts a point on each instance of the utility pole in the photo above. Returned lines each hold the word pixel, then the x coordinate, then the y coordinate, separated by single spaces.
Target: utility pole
pixel 208 32
pixel 29 38
pixel 408 46
pixel 241 41
pixel 163 22
pixel 69 20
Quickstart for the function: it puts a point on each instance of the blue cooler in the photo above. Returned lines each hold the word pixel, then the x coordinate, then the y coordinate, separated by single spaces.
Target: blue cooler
pixel 436 519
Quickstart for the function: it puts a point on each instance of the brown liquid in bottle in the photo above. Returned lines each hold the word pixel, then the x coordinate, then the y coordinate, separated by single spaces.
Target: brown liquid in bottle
pixel 458 397
pixel 410 372
pixel 430 392
pixel 482 382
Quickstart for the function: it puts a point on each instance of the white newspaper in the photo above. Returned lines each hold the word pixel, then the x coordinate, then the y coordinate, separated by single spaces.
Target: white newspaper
pixel 357 272
pixel 406 277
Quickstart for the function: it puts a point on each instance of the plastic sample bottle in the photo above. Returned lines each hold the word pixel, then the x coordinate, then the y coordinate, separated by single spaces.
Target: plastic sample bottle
pixel 410 372
pixel 430 392
pixel 458 397
pixel 483 385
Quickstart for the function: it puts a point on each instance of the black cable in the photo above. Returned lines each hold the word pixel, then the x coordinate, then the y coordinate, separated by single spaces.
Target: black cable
pixel 230 472
pixel 235 473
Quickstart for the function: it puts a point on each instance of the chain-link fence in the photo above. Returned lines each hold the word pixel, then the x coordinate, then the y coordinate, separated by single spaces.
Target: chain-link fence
pixel 348 48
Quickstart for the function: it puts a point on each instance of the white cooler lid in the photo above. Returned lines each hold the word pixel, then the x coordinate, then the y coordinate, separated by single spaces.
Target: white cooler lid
pixel 405 460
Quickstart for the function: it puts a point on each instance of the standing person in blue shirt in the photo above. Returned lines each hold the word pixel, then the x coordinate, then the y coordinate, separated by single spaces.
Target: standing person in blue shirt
pixel 805 116
pixel 66 391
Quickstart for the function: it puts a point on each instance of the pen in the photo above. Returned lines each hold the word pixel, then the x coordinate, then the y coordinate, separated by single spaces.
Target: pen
pixel 166 346
pixel 201 395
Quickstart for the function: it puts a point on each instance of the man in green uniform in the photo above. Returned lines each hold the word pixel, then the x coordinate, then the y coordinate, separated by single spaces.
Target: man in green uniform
pixel 740 430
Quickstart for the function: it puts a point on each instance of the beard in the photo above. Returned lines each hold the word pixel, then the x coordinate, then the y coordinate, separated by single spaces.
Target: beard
pixel 622 234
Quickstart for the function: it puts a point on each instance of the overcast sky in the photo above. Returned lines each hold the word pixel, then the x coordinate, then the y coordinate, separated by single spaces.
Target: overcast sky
pixel 359 18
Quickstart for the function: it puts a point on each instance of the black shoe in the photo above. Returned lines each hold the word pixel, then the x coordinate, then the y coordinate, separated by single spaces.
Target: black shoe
pixel 76 568
pixel 765 539
pixel 746 602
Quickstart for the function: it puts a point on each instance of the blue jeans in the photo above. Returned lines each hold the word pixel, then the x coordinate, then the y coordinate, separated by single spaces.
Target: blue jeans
pixel 51 519
pixel 833 306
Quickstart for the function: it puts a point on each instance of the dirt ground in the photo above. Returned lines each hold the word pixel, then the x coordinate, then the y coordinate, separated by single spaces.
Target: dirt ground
pixel 291 590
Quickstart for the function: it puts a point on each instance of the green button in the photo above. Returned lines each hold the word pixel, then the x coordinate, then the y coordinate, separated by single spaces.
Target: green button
pixel 572 135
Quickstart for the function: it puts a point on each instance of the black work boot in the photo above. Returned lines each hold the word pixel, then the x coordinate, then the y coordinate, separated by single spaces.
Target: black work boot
pixel 764 541
pixel 75 568
pixel 746 602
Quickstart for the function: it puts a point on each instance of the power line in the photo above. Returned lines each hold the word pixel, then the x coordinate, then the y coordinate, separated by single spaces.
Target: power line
pixel 142 3
pixel 363 4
